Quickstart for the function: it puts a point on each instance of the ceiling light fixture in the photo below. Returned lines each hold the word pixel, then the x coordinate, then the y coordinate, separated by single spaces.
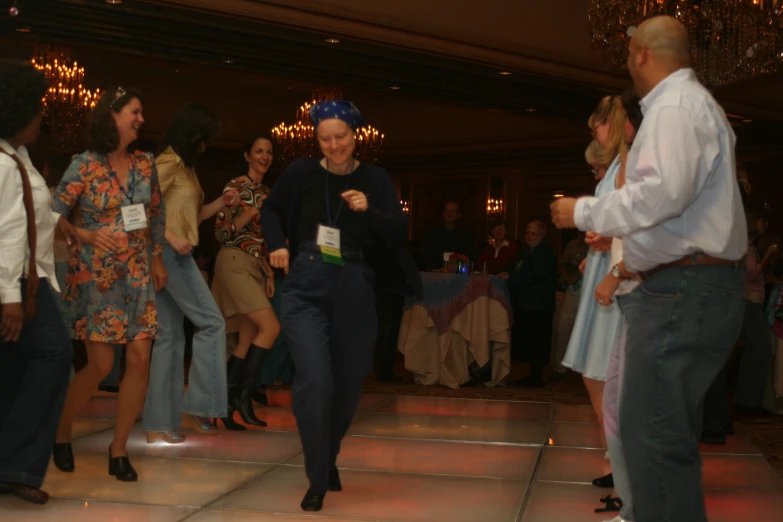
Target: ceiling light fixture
pixel 113 2
pixel 530 110
pixel 22 29
pixel 228 61
pixel 747 121
pixel 332 40
pixel 395 87
pixel 505 73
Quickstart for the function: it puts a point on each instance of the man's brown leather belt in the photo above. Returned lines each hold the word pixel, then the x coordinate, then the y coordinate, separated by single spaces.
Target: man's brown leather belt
pixel 693 260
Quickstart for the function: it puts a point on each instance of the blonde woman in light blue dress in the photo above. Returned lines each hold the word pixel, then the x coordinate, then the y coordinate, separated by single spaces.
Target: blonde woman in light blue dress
pixel 590 345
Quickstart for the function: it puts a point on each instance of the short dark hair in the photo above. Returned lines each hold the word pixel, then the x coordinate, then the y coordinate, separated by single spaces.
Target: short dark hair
pixel 630 101
pixel 102 135
pixel 22 87
pixel 191 126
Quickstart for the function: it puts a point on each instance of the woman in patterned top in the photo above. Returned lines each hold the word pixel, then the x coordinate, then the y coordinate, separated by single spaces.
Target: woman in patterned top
pixel 244 281
pixel 109 297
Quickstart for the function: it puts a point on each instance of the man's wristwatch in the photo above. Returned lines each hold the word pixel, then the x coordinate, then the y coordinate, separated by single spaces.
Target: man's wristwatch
pixel 616 272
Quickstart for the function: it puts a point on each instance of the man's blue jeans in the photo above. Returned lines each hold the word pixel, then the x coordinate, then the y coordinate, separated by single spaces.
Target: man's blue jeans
pixel 682 325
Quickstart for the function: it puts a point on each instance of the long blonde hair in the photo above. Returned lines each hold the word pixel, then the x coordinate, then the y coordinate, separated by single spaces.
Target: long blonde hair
pixel 610 110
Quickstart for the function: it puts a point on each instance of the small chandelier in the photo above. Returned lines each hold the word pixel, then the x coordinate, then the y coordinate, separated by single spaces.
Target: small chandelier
pixel 67 102
pixel 731 40
pixel 299 140
pixel 494 206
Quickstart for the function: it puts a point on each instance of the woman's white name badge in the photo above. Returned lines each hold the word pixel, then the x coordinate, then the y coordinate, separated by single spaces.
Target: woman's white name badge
pixel 329 242
pixel 134 217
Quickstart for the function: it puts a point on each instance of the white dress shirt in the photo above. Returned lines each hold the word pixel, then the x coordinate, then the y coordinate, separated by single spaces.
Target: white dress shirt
pixel 681 195
pixel 14 251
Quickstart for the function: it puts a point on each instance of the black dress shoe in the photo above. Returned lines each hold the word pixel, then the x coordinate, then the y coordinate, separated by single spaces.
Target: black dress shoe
pixel 607 481
pixel 120 467
pixel 334 480
pixel 25 492
pixel 313 501
pixel 259 395
pixel 713 437
pixel 63 456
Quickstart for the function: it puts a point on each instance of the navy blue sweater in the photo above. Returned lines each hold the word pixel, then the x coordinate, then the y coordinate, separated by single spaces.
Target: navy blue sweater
pixel 395 269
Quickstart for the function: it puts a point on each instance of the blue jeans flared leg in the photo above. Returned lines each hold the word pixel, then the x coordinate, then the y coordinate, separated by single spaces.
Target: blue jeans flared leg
pixel 186 294
pixel 682 325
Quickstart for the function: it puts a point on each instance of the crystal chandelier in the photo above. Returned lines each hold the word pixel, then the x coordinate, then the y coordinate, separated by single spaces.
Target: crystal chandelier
pixel 67 102
pixel 731 40
pixel 299 140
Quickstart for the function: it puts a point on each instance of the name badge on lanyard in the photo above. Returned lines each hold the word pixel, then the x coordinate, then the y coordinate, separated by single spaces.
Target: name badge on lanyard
pixel 134 217
pixel 328 239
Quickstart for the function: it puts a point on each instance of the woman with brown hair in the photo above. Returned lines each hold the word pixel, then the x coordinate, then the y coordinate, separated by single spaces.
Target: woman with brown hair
pixel 244 281
pixel 109 296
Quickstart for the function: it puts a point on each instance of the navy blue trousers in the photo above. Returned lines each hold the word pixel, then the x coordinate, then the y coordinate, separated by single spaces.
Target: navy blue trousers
pixel 329 320
pixel 34 374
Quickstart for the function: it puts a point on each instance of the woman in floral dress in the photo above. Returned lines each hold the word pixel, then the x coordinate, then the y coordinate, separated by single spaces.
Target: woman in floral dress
pixel 109 297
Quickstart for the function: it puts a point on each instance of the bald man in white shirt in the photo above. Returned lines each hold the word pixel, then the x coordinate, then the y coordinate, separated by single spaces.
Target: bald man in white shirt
pixel 683 229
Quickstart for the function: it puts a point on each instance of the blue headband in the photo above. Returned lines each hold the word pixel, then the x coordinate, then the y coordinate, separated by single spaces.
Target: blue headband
pixel 340 109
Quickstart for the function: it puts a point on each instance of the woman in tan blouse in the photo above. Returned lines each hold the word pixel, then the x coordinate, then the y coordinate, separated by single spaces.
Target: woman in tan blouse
pixel 186 294
pixel 244 281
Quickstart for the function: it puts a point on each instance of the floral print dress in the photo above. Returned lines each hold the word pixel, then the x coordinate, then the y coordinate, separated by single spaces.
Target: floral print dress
pixel 110 296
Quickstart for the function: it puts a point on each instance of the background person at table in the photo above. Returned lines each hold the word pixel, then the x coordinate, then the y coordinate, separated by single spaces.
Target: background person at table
pixel 447 237
pixel 532 282
pixel 498 255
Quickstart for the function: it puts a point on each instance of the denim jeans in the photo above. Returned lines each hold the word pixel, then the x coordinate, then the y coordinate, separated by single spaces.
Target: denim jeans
pixel 611 407
pixel 33 382
pixel 682 325
pixel 186 293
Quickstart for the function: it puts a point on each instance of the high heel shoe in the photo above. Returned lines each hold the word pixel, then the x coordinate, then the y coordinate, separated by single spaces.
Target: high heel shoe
pixel 174 438
pixel 190 422
pixel 243 400
pixel 234 368
pixel 120 467
pixel 63 456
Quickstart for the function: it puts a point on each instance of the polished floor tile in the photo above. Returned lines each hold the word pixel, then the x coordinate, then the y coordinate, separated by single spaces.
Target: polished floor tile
pixel 744 506
pixel 575 413
pixel 385 496
pixel 739 472
pixel 13 509
pixel 254 516
pixel 86 426
pixel 530 411
pixel 735 445
pixel 242 446
pixel 166 481
pixel 571 465
pixel 452 428
pixel 561 502
pixel 575 435
pixel 436 457
pixel 368 402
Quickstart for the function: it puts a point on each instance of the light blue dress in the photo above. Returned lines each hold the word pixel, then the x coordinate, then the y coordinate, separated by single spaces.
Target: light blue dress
pixel 595 326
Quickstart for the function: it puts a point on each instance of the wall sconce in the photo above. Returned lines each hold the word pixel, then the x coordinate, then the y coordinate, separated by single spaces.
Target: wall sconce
pixel 494 206
pixel 405 207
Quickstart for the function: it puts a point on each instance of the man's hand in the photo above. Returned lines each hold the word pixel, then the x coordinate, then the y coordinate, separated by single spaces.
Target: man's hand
pixel 13 320
pixel 279 259
pixel 598 242
pixel 563 212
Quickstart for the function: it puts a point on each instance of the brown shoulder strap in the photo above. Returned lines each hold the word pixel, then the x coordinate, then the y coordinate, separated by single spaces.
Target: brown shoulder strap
pixel 29 207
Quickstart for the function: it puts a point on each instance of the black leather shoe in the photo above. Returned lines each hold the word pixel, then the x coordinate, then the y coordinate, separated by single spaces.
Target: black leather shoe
pixel 259 395
pixel 120 467
pixel 313 501
pixel 25 492
pixel 607 481
pixel 63 456
pixel 243 400
pixel 334 480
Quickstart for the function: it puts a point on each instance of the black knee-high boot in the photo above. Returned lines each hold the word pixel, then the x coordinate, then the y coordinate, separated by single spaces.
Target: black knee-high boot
pixel 234 369
pixel 254 360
